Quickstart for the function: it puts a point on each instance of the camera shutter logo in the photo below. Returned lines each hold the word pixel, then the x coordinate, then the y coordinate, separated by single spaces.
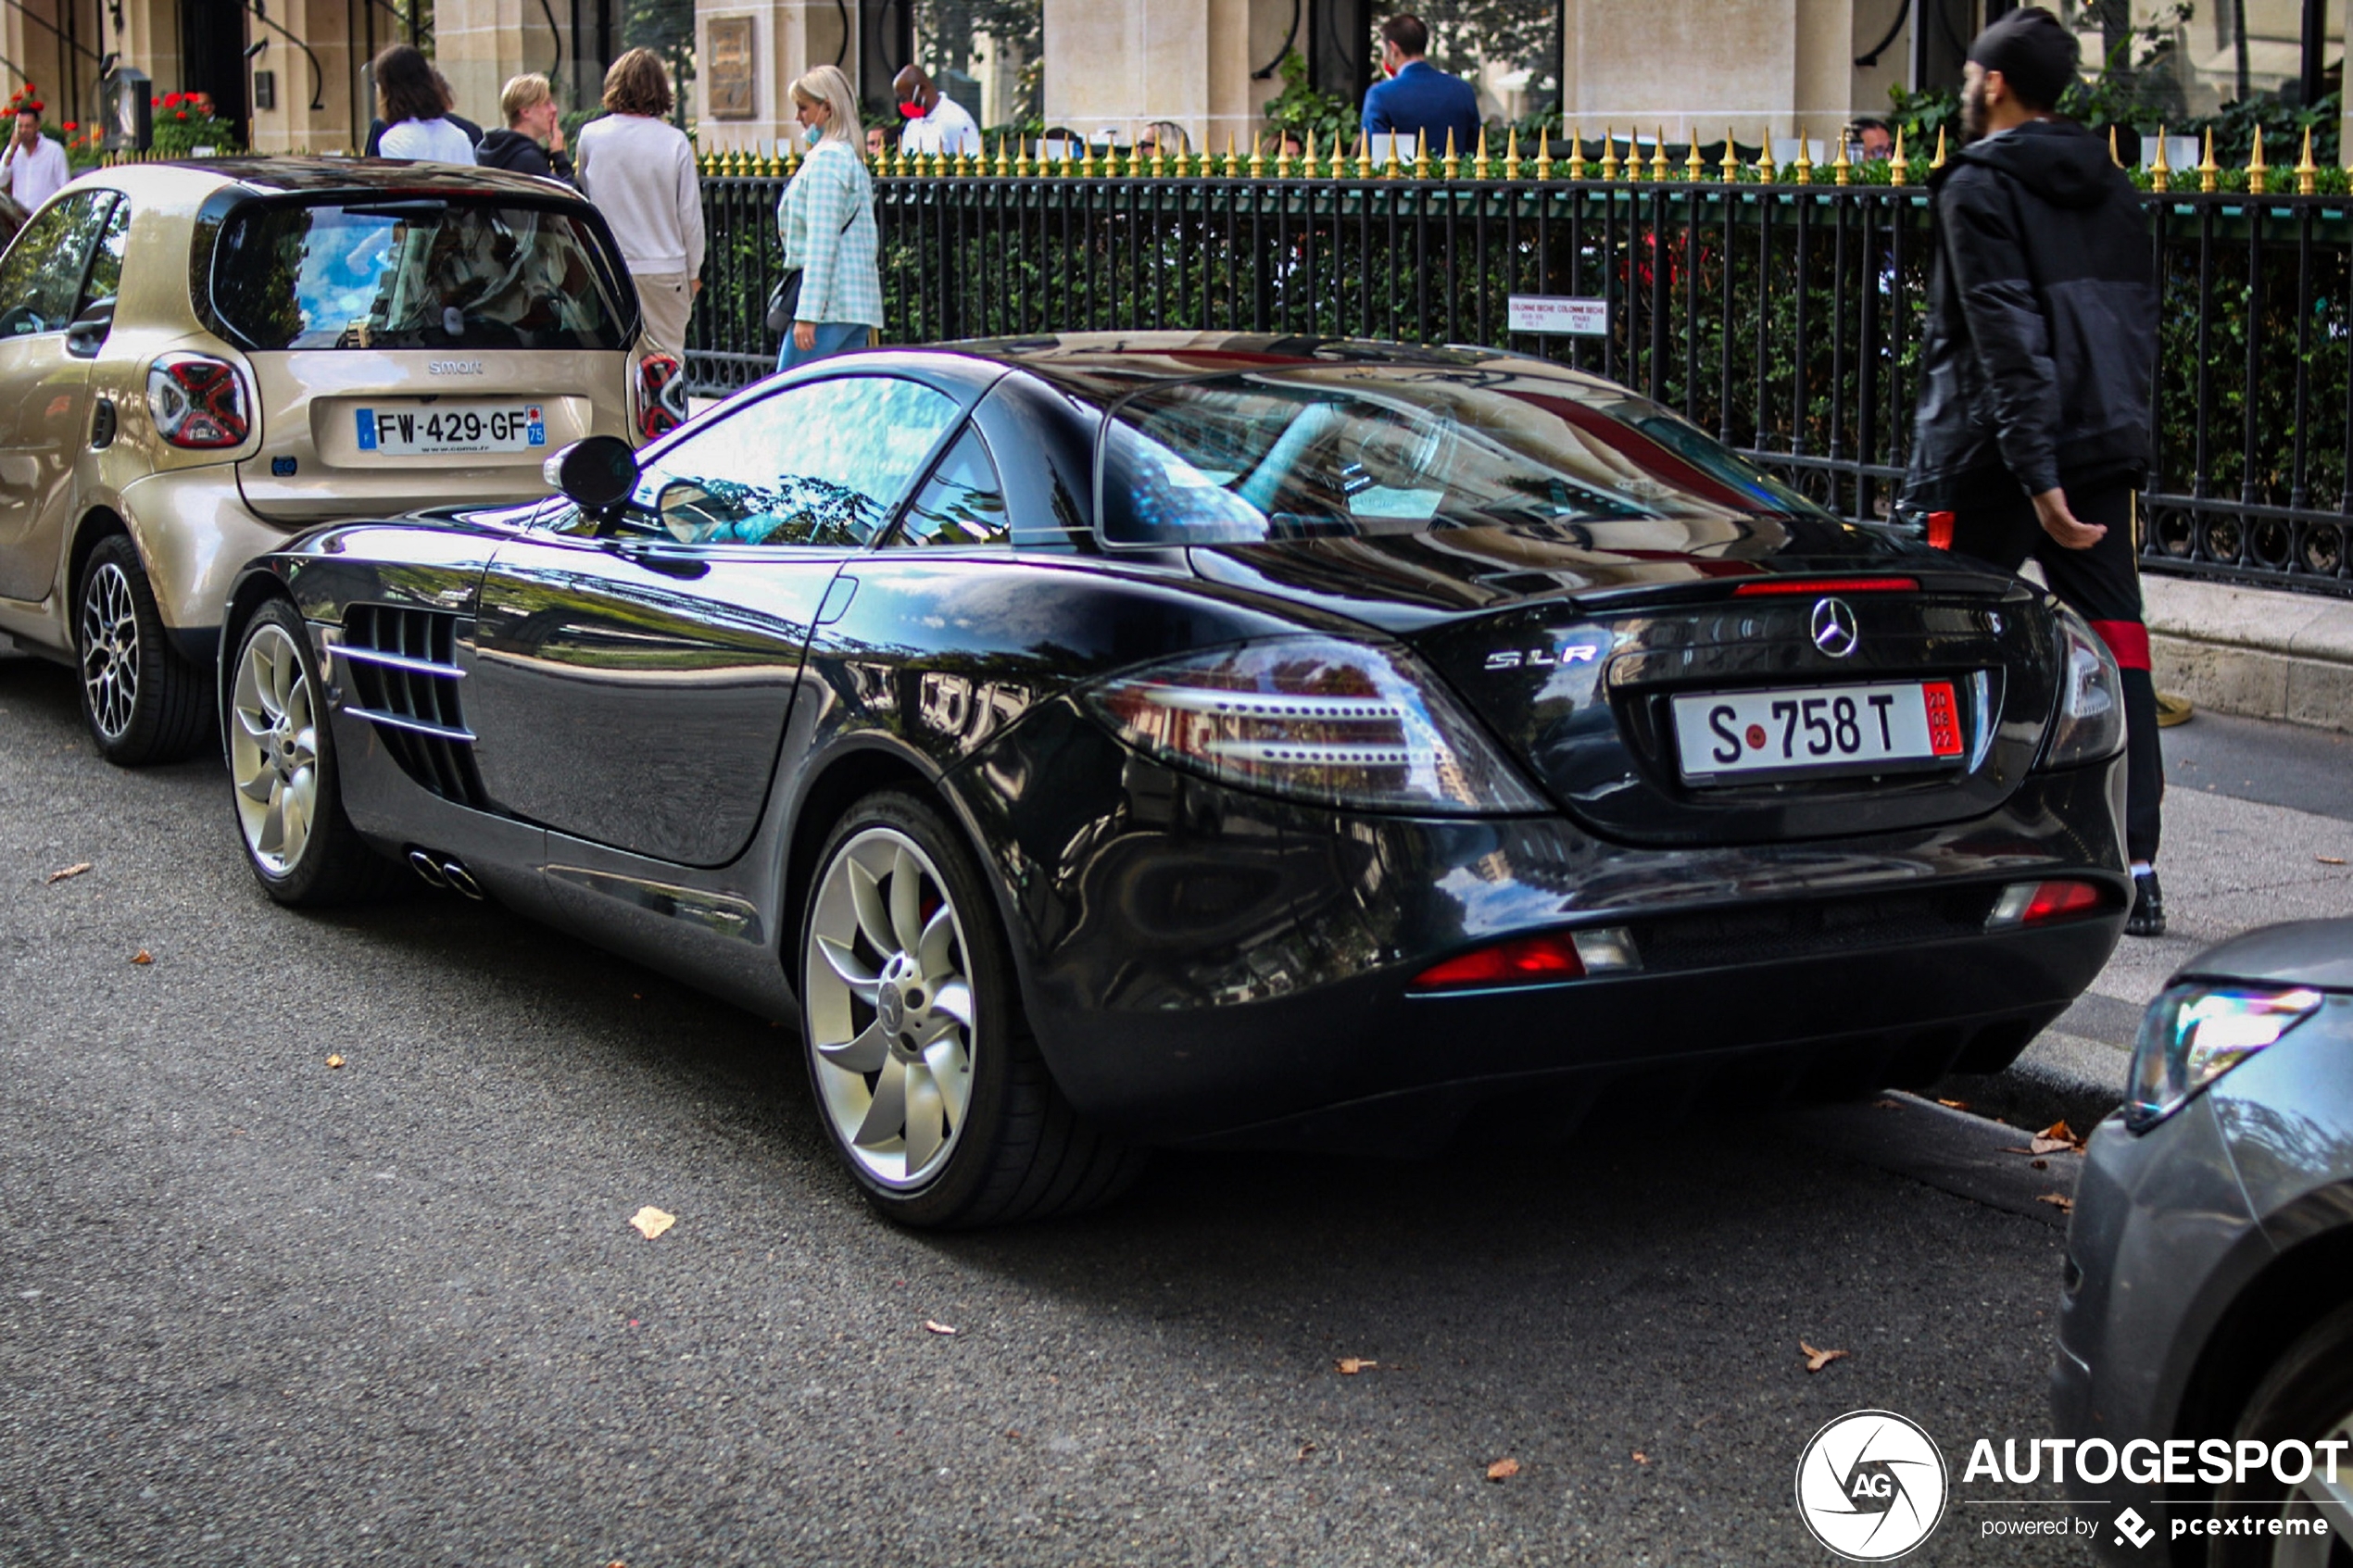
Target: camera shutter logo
pixel 1871 1486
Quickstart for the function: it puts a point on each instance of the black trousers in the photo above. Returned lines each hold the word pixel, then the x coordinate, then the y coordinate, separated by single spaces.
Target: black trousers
pixel 2103 585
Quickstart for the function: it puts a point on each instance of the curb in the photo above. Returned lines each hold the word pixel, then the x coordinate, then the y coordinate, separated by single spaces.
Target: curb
pixel 2262 653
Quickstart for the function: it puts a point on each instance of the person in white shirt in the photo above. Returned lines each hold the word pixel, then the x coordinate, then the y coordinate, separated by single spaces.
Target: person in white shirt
pixel 414 106
pixel 936 122
pixel 639 170
pixel 33 169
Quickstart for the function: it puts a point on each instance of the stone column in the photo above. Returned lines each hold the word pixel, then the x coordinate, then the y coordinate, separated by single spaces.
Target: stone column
pixel 1121 66
pixel 788 37
pixel 1765 67
pixel 294 126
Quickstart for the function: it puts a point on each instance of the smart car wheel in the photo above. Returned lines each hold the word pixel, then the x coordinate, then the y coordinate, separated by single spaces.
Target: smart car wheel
pixel 2305 1398
pixel 929 1084
pixel 282 772
pixel 144 702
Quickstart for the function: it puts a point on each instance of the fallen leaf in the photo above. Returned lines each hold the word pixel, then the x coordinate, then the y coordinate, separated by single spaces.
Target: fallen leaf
pixel 80 865
pixel 2061 1131
pixel 2325 860
pixel 1954 1104
pixel 334 1061
pixel 1503 1470
pixel 937 1327
pixel 651 1221
pixel 2040 1164
pixel 1641 1457
pixel 1351 1365
pixel 2059 1200
pixel 1304 1450
pixel 2055 1146
pixel 1887 1105
pixel 1817 1359
pixel 143 956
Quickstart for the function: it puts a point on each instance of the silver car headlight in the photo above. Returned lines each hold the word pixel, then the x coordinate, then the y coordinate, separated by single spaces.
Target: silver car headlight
pixel 2088 724
pixel 2196 1033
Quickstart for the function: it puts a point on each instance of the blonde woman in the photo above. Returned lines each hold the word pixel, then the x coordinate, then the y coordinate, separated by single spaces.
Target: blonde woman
pixel 827 220
pixel 640 172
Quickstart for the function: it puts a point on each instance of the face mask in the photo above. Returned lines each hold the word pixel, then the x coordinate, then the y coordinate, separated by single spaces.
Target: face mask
pixel 816 133
pixel 913 111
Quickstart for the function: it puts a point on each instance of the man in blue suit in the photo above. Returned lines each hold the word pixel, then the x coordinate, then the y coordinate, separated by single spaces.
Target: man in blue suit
pixel 1418 99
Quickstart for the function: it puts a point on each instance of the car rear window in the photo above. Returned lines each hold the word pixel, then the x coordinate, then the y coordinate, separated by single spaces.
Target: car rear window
pixel 1409 449
pixel 414 274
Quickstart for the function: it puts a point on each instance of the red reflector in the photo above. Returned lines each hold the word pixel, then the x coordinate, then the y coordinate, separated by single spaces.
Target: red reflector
pixel 1828 585
pixel 1940 530
pixel 1551 957
pixel 1944 718
pixel 2059 900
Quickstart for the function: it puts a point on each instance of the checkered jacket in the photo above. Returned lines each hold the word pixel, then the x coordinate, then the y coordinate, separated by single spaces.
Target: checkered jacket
pixel 827 220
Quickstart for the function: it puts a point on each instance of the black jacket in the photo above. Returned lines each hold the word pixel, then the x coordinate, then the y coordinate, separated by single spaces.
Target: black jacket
pixel 2042 327
pixel 512 149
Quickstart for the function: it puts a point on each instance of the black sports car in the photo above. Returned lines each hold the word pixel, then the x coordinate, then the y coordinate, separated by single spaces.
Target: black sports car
pixel 1101 742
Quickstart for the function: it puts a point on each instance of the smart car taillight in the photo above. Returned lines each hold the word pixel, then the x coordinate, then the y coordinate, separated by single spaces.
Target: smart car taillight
pixel 661 395
pixel 1321 718
pixel 198 401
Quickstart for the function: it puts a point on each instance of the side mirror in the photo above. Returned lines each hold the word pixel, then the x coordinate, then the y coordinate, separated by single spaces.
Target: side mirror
pixel 86 333
pixel 595 474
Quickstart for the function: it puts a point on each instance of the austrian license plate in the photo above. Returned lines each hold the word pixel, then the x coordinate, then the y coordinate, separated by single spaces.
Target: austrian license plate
pixel 1846 729
pixel 432 429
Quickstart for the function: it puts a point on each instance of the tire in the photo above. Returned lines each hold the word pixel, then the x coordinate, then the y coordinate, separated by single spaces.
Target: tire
pixel 143 701
pixel 944 1121
pixel 2308 1396
pixel 283 779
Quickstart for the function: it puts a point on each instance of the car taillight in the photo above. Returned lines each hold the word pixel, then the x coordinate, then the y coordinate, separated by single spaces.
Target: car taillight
pixel 661 395
pixel 198 401
pixel 1552 955
pixel 2040 903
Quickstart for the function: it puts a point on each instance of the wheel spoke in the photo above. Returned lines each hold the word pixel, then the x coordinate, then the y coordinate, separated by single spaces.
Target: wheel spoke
pixel 272 837
pixel 906 901
pixel 886 1116
pixel 300 789
pixel 866 894
pixel 865 1054
pixel 306 747
pixel 926 1123
pixel 2333 1500
pixel 954 997
pixel 951 1070
pixel 936 951
pixel 844 964
pixel 261 786
pixel 254 721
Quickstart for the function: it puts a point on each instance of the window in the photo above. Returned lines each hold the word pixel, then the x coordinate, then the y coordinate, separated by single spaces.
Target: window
pixel 413 273
pixel 821 463
pixel 962 503
pixel 106 262
pixel 41 276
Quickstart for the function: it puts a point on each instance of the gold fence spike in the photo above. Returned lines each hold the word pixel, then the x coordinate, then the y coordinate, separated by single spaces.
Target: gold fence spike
pixel 964 164
pixel 1609 154
pixel 1454 165
pixel 1257 157
pixel 1021 157
pixel 2307 173
pixel 1511 154
pixel 2210 173
pixel 1659 156
pixel 2113 156
pixel 1159 162
pixel 1576 154
pixel 1233 158
pixel 1842 167
pixel 1004 164
pixel 1730 169
pixel 1765 170
pixel 1421 156
pixel 1938 161
pixel 1087 163
pixel 1899 171
pixel 1694 166
pixel 2255 168
pixel 1363 155
pixel 1307 165
pixel 1543 152
pixel 1480 167
pixel 1804 164
pixel 1283 162
pixel 2160 172
pixel 1391 170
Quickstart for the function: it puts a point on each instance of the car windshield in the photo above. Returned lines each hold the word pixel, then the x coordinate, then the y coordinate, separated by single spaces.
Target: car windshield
pixel 413 273
pixel 1407 449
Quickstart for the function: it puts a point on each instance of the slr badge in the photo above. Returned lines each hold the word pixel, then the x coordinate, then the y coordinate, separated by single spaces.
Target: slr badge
pixel 1541 659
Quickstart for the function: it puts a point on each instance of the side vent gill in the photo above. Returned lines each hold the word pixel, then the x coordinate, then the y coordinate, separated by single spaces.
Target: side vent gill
pixel 401 667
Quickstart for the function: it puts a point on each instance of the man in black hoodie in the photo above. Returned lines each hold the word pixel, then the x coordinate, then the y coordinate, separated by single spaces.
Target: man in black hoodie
pixel 534 140
pixel 2033 423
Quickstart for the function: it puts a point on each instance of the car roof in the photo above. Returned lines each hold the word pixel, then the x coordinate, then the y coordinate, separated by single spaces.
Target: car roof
pixel 366 176
pixel 1107 363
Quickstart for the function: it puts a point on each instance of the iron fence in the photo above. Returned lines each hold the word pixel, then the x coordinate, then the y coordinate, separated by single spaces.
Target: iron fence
pixel 1784 317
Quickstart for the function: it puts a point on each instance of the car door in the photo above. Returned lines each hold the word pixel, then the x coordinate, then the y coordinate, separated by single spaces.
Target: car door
pixel 45 384
pixel 634 684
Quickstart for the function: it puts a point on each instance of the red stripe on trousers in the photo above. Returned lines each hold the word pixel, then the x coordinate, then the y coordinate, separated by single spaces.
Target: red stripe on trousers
pixel 2128 640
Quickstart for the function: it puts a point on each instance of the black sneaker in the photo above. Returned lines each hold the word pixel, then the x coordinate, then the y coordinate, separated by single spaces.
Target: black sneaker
pixel 2147 918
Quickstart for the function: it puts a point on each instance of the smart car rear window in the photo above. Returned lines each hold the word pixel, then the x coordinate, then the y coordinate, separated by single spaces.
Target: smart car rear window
pixel 413 274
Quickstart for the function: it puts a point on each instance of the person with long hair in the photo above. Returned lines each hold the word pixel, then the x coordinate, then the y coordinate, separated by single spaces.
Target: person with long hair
pixel 415 109
pixel 639 170
pixel 827 220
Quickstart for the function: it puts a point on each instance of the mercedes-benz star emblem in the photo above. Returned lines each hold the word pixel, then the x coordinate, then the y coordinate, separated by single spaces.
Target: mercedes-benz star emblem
pixel 1835 631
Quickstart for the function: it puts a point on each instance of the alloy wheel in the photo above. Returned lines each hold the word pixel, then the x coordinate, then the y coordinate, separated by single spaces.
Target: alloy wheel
pixel 889 1008
pixel 273 750
pixel 110 650
pixel 2319 1498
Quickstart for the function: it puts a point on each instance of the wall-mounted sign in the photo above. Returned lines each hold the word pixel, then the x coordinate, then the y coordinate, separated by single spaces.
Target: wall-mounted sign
pixel 1559 315
pixel 728 42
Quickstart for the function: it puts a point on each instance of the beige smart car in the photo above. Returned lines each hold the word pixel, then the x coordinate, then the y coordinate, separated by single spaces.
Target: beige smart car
pixel 199 360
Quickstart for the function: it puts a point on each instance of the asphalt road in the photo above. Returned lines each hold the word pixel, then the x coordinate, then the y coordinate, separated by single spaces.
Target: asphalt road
pixel 257 1310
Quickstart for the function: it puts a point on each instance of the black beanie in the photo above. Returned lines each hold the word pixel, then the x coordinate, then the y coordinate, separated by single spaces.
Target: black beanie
pixel 2034 54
